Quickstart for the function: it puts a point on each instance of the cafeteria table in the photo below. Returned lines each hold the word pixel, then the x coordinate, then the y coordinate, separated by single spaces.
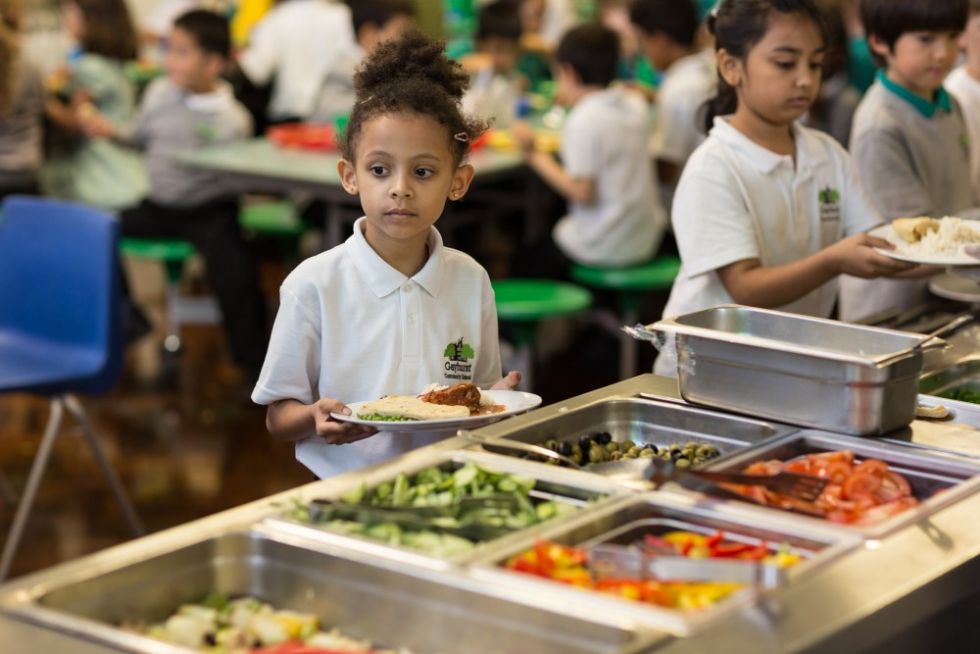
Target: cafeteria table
pixel 258 165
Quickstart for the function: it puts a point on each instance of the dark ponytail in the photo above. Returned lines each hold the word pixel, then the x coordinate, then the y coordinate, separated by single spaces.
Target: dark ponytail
pixel 738 25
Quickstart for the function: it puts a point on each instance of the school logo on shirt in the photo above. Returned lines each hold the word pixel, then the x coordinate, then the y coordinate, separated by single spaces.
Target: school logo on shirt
pixel 829 199
pixel 459 360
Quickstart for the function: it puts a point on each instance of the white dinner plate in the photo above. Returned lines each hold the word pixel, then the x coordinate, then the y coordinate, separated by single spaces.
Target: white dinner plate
pixel 888 233
pixel 514 402
pixel 956 288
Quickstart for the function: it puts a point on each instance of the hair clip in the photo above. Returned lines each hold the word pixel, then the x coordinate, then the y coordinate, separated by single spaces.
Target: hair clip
pixel 462 137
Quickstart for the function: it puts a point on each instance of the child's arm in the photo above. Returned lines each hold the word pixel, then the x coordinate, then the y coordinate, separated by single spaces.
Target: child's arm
pixel 291 421
pixel 767 287
pixel 577 189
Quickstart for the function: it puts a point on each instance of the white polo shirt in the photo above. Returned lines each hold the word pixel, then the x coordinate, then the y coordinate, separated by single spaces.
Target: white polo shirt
pixel 605 139
pixel 688 84
pixel 736 200
pixel 295 46
pixel 352 328
pixel 966 89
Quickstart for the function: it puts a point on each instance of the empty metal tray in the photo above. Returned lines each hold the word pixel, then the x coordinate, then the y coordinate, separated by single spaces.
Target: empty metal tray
pixel 659 512
pixel 796 369
pixel 926 474
pixel 425 611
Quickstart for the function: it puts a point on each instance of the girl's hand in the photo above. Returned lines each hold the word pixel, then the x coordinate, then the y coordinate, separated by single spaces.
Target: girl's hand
pixel 334 432
pixel 508 383
pixel 855 256
pixel 96 126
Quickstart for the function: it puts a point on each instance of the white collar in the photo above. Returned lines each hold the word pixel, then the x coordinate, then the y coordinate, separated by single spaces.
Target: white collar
pixel 211 103
pixel 385 280
pixel 761 158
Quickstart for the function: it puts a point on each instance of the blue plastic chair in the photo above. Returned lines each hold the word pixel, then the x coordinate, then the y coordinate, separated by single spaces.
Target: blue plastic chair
pixel 60 326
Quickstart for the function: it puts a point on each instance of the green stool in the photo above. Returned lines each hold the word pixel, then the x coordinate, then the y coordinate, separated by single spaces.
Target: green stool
pixel 272 219
pixel 173 254
pixel 630 284
pixel 526 302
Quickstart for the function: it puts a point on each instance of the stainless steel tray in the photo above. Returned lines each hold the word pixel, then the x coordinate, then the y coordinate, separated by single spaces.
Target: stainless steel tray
pixel 658 511
pixel 649 421
pixel 926 474
pixel 790 368
pixel 571 486
pixel 426 611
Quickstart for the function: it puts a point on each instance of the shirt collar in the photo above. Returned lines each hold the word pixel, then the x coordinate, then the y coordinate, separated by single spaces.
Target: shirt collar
pixel 923 106
pixel 763 159
pixel 381 278
pixel 214 102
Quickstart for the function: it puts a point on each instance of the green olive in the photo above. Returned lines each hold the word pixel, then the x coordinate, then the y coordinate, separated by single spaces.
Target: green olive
pixel 682 463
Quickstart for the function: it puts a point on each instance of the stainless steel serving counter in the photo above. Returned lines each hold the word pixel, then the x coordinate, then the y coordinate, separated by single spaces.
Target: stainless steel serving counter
pixel 852 603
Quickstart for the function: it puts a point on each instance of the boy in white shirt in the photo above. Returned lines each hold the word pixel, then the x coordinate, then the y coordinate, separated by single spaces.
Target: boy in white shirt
pixel 391 310
pixel 615 216
pixel 295 46
pixel 667 31
pixel 374 21
pixel 496 85
pixel 964 84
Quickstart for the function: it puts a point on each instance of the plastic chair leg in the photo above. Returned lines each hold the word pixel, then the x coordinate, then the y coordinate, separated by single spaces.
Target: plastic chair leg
pixel 172 341
pixel 33 482
pixel 78 411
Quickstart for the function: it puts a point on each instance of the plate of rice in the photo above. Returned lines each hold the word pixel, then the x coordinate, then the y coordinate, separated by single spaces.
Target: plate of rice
pixel 931 241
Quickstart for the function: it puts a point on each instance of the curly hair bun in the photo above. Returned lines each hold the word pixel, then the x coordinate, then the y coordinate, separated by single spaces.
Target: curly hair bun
pixel 413 57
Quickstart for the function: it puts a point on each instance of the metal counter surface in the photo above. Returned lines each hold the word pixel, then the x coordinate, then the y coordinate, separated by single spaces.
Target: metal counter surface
pixel 855 602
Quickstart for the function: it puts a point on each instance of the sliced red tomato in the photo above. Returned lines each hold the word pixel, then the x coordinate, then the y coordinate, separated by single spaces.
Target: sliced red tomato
pixel 799 466
pixel 883 512
pixel 299 647
pixel 872 466
pixel 840 455
pixel 900 482
pixel 860 484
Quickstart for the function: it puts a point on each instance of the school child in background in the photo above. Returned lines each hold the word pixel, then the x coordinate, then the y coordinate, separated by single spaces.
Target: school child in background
pixel 192 107
pixel 98 172
pixel 667 31
pixel 496 86
pixel 373 316
pixel 910 141
pixel 21 108
pixel 615 217
pixel 833 110
pixel 768 213
pixel 374 21
pixel 964 84
pixel 546 22
pixel 293 48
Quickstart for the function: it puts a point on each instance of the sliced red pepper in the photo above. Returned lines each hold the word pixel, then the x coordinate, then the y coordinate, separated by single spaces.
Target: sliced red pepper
pixel 715 540
pixel 730 550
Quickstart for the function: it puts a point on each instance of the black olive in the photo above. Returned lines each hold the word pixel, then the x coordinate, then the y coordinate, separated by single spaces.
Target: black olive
pixel 651 446
pixel 676 455
pixel 585 442
pixel 605 438
pixel 565 448
pixel 210 639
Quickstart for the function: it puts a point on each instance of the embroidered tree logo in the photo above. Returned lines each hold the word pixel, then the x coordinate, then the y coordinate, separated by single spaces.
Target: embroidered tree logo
pixel 829 196
pixel 459 351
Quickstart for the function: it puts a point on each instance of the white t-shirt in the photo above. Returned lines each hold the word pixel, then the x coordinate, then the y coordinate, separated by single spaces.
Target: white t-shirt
pixel 966 89
pixel 604 139
pixel 736 200
pixel 297 43
pixel 353 328
pixel 687 85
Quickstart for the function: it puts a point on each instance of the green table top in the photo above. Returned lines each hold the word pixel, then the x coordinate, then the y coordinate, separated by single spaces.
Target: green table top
pixel 258 158
pixel 536 299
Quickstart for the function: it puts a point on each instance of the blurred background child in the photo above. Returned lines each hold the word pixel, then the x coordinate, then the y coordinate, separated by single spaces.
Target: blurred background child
pixel 374 22
pixel 667 31
pixel 293 48
pixel 964 84
pixel 615 216
pixel 193 107
pixel 496 85
pixel 98 172
pixel 21 108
